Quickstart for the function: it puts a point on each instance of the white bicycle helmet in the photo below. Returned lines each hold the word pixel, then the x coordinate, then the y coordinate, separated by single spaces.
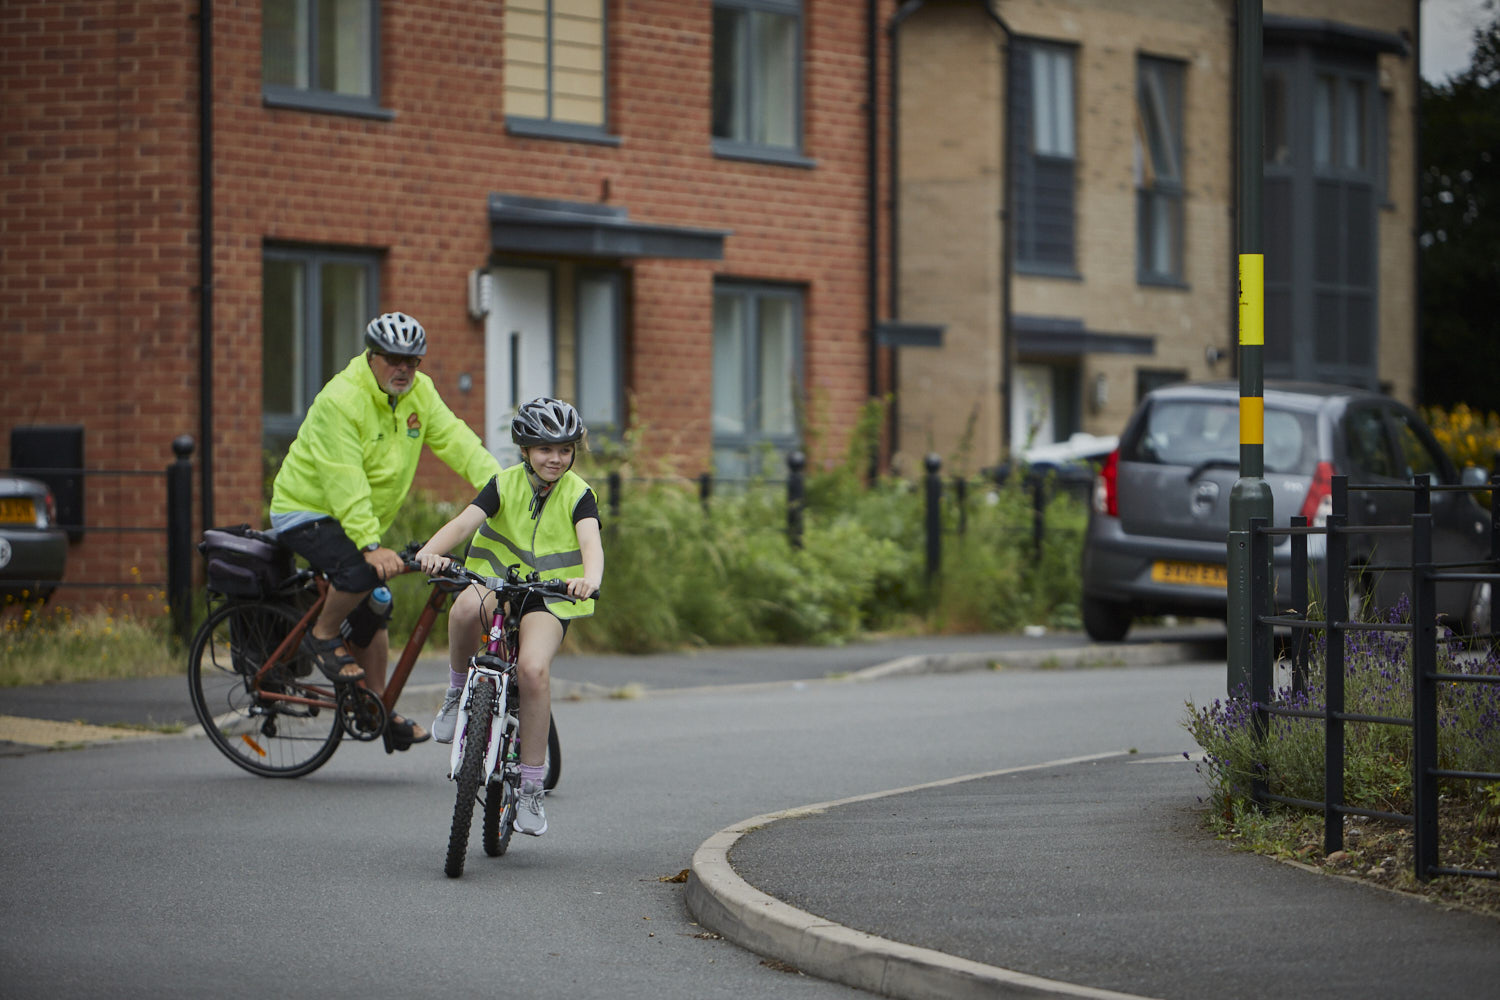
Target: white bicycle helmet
pixel 396 333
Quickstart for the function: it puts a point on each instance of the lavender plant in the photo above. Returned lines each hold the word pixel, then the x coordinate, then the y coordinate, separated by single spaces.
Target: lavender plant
pixel 1377 682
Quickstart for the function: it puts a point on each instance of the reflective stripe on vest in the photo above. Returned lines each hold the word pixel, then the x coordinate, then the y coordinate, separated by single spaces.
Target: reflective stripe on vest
pixel 547 544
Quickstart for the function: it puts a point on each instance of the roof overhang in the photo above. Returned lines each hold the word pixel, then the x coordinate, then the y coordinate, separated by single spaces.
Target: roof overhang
pixel 1332 34
pixel 580 229
pixel 1054 335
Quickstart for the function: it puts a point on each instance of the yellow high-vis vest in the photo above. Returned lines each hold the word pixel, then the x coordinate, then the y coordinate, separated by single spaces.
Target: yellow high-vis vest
pixel 547 544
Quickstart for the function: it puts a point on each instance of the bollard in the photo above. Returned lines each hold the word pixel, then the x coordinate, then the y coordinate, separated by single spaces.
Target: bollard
pixel 180 535
pixel 796 462
pixel 934 515
pixel 1038 512
pixel 705 489
pixel 961 498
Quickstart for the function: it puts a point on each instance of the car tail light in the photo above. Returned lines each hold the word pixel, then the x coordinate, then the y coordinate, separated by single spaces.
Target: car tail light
pixel 1106 495
pixel 1318 503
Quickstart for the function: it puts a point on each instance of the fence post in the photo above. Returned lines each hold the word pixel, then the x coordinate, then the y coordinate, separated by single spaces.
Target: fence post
pixel 934 514
pixel 795 491
pixel 613 485
pixel 1260 649
pixel 1336 587
pixel 1424 758
pixel 180 535
pixel 1038 512
pixel 705 489
pixel 961 497
pixel 1299 604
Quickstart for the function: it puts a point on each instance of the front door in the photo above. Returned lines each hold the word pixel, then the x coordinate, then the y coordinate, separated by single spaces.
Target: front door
pixel 517 351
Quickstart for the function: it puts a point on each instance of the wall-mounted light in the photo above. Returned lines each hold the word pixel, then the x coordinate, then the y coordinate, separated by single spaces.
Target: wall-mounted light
pixel 1212 355
pixel 479 293
pixel 1099 393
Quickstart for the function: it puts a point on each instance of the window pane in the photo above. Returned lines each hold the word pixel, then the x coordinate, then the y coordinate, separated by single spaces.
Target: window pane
pixel 1278 145
pixel 283 295
pixel 777 330
pixel 1324 98
pixel 729 362
pixel 597 357
pixel 728 98
pixel 775 47
pixel 344 47
pixel 284 57
pixel 344 294
pixel 1052 114
pixel 1352 125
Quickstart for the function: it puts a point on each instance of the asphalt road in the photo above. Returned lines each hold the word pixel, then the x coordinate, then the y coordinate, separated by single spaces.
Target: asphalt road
pixel 157 868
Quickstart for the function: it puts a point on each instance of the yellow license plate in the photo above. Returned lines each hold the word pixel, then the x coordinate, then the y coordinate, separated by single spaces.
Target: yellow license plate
pixel 1190 574
pixel 17 510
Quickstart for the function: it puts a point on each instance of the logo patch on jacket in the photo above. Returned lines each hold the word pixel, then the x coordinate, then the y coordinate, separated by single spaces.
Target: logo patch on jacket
pixel 413 426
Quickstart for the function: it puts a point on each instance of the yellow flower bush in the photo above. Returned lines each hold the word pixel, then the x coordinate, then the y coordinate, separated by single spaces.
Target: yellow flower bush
pixel 1468 436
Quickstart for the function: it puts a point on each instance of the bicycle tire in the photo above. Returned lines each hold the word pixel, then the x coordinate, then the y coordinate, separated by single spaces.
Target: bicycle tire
pixel 500 810
pixel 554 755
pixel 264 737
pixel 476 738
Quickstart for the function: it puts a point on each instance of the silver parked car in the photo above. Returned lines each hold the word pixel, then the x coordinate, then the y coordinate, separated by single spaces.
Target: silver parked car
pixel 33 550
pixel 1159 518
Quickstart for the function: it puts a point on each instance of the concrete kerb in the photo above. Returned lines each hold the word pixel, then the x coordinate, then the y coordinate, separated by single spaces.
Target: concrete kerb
pixel 729 906
pixel 1071 658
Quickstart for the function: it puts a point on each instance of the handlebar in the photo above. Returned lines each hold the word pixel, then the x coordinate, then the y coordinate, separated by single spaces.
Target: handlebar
pixel 512 582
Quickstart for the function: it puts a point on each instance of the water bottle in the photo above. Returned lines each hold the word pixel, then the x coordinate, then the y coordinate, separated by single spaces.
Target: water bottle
pixel 380 601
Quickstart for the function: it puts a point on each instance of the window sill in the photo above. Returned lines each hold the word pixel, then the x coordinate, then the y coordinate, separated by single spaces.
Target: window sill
pixel 727 150
pixel 1066 273
pixel 1160 281
pixel 324 102
pixel 537 128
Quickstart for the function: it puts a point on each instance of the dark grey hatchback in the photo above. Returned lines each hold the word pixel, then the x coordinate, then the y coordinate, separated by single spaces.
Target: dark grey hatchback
pixel 1159 518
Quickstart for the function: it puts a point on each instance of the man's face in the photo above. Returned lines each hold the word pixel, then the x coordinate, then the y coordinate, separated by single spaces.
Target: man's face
pixel 394 373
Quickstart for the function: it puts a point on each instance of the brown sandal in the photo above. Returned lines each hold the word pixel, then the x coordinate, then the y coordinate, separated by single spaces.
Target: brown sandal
pixel 325 653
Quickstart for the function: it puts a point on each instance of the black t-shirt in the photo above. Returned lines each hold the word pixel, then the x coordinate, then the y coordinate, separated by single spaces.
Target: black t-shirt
pixel 488 501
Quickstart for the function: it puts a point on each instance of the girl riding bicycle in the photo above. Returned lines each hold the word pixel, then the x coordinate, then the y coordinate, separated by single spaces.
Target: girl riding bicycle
pixel 543 516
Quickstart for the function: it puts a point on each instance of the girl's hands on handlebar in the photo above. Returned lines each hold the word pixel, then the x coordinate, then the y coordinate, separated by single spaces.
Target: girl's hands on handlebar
pixel 581 588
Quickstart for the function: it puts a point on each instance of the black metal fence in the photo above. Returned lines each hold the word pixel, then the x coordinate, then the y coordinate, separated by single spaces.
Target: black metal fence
pixel 1039 488
pixel 176 532
pixel 1425 677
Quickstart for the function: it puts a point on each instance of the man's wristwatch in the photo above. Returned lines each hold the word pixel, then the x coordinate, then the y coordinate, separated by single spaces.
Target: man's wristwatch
pixel 371 547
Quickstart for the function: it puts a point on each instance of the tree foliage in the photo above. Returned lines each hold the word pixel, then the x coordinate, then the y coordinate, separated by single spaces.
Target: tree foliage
pixel 1460 239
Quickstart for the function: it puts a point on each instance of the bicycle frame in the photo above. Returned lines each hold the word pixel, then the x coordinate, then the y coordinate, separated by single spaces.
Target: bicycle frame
pixel 492 663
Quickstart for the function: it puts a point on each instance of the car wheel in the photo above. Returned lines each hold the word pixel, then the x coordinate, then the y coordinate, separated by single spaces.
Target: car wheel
pixel 1105 621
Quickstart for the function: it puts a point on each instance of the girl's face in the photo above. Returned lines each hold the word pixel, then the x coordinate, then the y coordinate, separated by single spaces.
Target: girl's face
pixel 550 460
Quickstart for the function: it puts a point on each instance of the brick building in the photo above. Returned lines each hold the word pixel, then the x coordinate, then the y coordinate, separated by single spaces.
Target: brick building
pixel 1117 121
pixel 659 209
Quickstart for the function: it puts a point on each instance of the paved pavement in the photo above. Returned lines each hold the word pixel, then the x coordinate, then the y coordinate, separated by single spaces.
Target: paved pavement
pixel 1086 877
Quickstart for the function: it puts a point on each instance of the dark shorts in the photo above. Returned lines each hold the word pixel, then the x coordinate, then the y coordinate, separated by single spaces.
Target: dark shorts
pixel 331 552
pixel 535 602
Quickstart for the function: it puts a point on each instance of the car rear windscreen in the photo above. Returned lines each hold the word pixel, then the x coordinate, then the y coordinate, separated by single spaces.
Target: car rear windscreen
pixel 1194 432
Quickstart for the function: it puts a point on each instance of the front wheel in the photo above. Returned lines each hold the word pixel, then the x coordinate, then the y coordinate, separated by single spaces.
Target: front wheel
pixel 271 737
pixel 470 776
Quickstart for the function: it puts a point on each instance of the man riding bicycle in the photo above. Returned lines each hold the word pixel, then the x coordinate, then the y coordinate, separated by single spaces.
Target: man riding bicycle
pixel 343 480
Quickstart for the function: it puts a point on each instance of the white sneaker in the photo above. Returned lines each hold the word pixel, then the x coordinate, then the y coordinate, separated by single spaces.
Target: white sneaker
pixel 447 717
pixel 530 819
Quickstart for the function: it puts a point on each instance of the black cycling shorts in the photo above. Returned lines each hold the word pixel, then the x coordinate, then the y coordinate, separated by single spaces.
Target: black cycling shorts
pixel 331 552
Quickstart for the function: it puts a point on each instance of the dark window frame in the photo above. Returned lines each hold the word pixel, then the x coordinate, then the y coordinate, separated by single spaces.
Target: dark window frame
pixel 745 87
pixel 1170 191
pixel 312 259
pixel 1036 173
pixel 317 99
pixel 743 444
pixel 615 278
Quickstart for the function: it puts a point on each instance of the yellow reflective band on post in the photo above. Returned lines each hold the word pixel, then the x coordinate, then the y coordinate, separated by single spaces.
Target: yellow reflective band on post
pixel 1252 420
pixel 1252 299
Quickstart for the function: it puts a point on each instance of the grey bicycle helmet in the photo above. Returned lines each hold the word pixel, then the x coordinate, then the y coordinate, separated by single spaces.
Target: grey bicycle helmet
pixel 396 333
pixel 545 421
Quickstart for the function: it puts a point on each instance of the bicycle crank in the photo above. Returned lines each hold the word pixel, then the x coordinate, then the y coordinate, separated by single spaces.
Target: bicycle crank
pixel 361 712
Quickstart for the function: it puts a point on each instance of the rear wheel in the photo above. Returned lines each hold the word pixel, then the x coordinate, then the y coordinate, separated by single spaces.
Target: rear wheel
pixel 470 776
pixel 499 812
pixel 265 736
pixel 1105 621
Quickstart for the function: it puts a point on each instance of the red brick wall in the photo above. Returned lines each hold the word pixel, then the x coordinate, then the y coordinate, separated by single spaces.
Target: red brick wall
pixel 99 291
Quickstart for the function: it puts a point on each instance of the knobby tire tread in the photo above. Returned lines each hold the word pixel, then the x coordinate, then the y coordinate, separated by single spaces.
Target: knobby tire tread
pixel 476 737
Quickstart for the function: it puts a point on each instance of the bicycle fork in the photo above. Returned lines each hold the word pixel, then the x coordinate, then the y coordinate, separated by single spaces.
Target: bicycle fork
pixel 485 665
